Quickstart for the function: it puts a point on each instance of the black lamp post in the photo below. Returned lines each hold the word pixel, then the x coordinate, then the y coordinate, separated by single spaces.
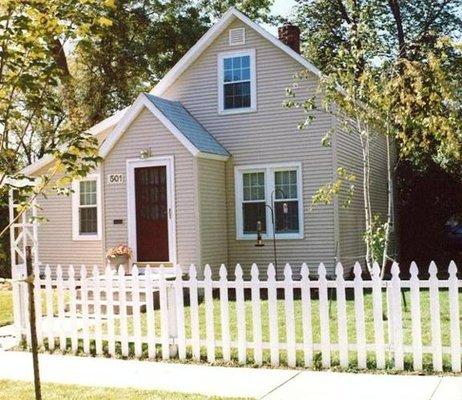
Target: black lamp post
pixel 285 210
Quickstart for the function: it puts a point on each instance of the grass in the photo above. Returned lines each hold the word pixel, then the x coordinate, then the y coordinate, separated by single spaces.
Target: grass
pixel 369 325
pixel 6 306
pixel 25 391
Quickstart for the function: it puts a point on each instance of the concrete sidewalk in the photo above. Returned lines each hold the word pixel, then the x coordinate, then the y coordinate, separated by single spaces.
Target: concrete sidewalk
pixel 269 384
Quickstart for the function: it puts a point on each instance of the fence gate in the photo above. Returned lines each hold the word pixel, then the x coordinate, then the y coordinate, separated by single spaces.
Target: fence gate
pixel 23 234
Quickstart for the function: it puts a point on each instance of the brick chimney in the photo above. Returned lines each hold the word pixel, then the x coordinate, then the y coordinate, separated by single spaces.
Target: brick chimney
pixel 290 35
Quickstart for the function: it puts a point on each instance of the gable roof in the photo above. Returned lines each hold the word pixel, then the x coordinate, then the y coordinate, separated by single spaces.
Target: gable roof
pixel 231 15
pixel 177 120
pixel 188 125
pixel 205 41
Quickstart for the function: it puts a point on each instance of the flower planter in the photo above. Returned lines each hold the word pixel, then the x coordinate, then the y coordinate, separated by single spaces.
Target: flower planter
pixel 117 261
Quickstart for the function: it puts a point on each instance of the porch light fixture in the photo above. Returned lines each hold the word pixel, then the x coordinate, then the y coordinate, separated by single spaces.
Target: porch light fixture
pixel 145 153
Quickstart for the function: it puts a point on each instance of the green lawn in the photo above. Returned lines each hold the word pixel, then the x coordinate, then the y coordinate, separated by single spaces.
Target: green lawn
pixel 24 391
pixel 6 307
pixel 425 307
pixel 369 323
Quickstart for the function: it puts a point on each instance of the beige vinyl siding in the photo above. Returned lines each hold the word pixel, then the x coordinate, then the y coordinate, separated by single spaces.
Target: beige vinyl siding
pixel 268 135
pixel 56 245
pixel 146 131
pixel 212 212
pixel 352 247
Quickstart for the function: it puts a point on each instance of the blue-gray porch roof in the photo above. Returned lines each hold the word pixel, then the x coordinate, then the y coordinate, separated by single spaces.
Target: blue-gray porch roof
pixel 191 129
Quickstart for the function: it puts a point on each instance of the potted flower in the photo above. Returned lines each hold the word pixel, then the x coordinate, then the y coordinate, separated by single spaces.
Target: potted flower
pixel 120 255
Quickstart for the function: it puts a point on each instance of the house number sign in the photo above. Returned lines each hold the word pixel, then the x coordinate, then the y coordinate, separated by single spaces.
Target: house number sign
pixel 114 179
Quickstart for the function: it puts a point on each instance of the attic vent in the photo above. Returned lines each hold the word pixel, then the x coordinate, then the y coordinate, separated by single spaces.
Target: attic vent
pixel 236 36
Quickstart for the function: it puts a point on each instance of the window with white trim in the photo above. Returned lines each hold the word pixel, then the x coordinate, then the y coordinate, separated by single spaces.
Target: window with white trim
pixel 237 84
pixel 262 190
pixel 86 208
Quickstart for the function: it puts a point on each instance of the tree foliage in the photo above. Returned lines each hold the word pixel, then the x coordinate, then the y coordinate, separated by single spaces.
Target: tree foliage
pixel 144 41
pixel 413 48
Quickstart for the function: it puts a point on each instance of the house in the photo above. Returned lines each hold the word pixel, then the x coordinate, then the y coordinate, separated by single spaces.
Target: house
pixel 191 168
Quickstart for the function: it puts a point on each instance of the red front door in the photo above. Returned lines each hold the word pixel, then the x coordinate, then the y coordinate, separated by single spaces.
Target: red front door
pixel 151 213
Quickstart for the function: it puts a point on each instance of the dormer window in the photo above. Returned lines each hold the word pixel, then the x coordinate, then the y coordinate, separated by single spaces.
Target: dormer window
pixel 237 86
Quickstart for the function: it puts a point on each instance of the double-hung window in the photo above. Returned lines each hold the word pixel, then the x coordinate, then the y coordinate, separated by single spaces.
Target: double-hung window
pixel 266 192
pixel 237 86
pixel 86 208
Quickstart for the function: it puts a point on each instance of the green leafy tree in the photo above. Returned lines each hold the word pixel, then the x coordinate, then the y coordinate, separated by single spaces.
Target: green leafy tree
pixel 145 40
pixel 66 65
pixel 398 68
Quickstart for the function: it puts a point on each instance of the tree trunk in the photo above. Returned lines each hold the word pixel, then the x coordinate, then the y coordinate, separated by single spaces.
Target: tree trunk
pixel 364 137
pixel 389 208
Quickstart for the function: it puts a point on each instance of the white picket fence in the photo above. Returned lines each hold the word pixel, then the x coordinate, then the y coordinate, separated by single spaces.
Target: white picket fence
pixel 297 321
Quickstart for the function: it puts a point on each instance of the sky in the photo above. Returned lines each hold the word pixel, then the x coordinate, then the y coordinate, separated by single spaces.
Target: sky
pixel 282 8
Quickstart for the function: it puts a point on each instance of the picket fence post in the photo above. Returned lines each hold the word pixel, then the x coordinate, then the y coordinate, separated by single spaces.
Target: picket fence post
pixel 209 321
pixel 454 313
pixel 396 317
pixel 84 308
pixel 123 311
pixel 306 317
pixel 97 311
pixel 324 316
pixel 224 314
pixel 38 305
pixel 181 336
pixel 60 289
pixel 110 310
pixel 273 316
pixel 342 316
pixel 240 311
pixel 435 318
pixel 289 315
pixel 136 305
pixel 49 307
pixel 256 315
pixel 73 309
pixel 194 309
pixel 359 316
pixel 378 316
pixel 150 320
pixel 416 318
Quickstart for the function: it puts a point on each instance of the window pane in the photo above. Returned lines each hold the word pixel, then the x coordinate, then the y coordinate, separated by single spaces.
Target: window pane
pixel 254 185
pixel 88 220
pixel 246 74
pixel 88 193
pixel 228 63
pixel 236 92
pixel 237 95
pixel 285 183
pixel 286 216
pixel 252 213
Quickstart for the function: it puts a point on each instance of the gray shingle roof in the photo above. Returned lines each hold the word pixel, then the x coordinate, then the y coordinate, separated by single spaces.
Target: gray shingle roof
pixel 192 130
